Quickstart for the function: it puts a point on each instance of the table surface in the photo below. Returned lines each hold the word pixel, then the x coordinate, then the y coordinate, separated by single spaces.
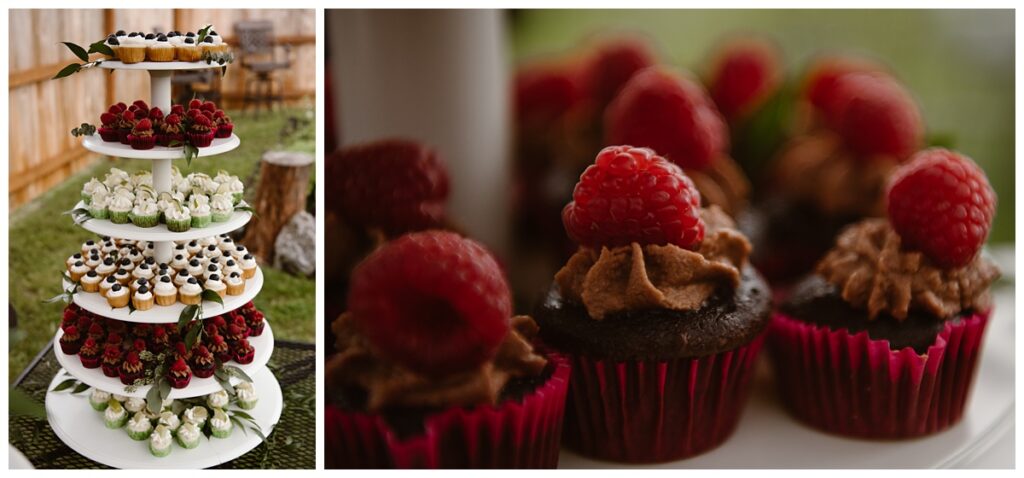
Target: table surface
pixel 291 445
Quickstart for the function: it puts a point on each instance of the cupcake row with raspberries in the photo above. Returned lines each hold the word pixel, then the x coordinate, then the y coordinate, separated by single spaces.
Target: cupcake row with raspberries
pixel 123 274
pixel 195 201
pixel 143 127
pixel 133 351
pixel 661 317
pixel 179 421
pixel 136 47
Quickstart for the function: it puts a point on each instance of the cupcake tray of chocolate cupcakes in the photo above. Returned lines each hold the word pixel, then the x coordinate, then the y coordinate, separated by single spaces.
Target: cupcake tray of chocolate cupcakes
pixel 164 262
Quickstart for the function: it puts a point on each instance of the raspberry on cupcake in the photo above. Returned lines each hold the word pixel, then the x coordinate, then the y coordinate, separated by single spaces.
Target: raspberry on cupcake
pixel 170 131
pixel 142 136
pixel 108 126
pixel 111 362
pixel 244 352
pixel 661 291
pixel 201 131
pixel 203 362
pixel 223 123
pixel 131 368
pixel 906 299
pixel 89 354
pixel 179 374
pixel 429 330
pixel 71 341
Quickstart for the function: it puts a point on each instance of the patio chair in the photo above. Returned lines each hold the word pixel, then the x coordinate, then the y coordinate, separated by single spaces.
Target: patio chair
pixel 260 62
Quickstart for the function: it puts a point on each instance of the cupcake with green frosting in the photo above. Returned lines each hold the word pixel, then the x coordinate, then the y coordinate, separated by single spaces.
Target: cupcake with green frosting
pixel 170 420
pixel 89 188
pixel 98 205
pixel 160 441
pixel 200 210
pixel 145 214
pixel 120 206
pixel 246 394
pixel 220 424
pixel 139 427
pixel 223 206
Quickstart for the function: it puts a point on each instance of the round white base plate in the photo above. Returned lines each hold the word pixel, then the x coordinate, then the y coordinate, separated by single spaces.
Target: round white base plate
pixel 159 232
pixel 263 345
pixel 96 144
pixel 82 429
pixel 157 65
pixel 163 314
pixel 768 437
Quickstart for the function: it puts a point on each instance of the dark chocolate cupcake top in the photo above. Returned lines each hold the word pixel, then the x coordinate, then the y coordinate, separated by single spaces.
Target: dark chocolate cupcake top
pixel 872 271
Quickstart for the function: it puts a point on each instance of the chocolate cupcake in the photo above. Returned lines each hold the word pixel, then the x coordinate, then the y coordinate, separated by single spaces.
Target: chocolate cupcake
pixel 883 339
pixel 432 373
pixel 658 304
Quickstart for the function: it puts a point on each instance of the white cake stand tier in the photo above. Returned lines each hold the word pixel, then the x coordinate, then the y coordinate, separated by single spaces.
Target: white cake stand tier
pixel 82 429
pixel 159 233
pixel 263 345
pixel 96 144
pixel 164 314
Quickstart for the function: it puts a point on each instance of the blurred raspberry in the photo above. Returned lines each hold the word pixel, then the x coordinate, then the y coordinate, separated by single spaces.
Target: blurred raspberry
pixel 878 116
pixel 544 93
pixel 821 82
pixel 612 65
pixel 744 74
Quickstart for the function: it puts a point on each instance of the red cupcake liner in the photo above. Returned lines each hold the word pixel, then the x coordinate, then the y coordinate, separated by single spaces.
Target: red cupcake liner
pixel 141 142
pixel 109 135
pixel 122 135
pixel 514 434
pixel 224 130
pixel 657 411
pixel 200 140
pixel 853 385
pixel 167 139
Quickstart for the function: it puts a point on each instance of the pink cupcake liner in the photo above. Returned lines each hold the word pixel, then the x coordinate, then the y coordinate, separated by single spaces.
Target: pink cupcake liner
pixel 224 130
pixel 651 411
pixel 853 385
pixel 514 434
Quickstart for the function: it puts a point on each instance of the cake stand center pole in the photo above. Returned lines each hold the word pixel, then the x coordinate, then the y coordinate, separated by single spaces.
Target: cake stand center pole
pixel 160 97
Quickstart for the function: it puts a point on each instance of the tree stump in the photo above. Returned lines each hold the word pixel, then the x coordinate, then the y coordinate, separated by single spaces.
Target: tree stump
pixel 281 192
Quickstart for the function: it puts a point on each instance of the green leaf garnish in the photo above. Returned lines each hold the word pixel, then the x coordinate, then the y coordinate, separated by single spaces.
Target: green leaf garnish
pixel 77 50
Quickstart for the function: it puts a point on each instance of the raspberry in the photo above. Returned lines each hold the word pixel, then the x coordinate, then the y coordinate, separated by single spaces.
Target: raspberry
pixel 612 65
pixel 633 195
pixel 140 105
pixel 114 110
pixel 107 118
pixel 177 109
pixel 396 185
pixel 172 119
pixel 670 114
pixel 941 203
pixel 878 116
pixel 155 113
pixel 745 73
pixel 202 120
pixel 208 106
pixel 821 81
pixel 121 107
pixel 432 301
pixel 545 93
pixel 128 116
pixel 194 104
pixel 144 125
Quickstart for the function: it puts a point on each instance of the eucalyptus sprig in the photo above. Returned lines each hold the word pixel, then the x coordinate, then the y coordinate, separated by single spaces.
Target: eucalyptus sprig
pixel 83 54
pixel 76 386
pixel 78 215
pixel 85 129
pixel 69 294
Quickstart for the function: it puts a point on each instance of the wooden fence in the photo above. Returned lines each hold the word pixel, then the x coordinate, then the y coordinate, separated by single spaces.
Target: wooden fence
pixel 42 152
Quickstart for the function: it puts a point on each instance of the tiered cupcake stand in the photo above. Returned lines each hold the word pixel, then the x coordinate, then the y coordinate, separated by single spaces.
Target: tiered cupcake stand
pixel 69 415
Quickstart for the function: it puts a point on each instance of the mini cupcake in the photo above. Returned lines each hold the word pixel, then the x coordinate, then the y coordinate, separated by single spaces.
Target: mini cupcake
pixel 201 214
pixel 246 394
pixel 99 399
pixel 78 270
pixel 160 441
pixel 235 284
pixel 223 206
pixel 161 49
pixel 188 434
pixel 113 43
pixel 215 284
pixel 179 374
pixel 143 271
pixel 191 292
pixel 159 340
pixel 107 267
pixel 244 352
pixel 132 49
pixel 91 281
pixel 905 301
pixel 142 136
pixel 114 416
pixel 124 126
pixel 138 284
pixel 187 50
pixel 220 424
pixel 143 299
pixel 170 131
pixel 203 363
pixel 200 133
pixel 165 292
pixel 117 296
pixel 108 129
pixel 196 415
pixel 98 204
pixel 111 362
pixel 476 385
pixel 170 420
pixel 658 304
pixel 89 353
pixel 224 125
pixel 218 399
pixel 220 349
pixel 131 368
pixel 134 405
pixel 71 341
pixel 139 427
pixel 177 217
pixel 248 264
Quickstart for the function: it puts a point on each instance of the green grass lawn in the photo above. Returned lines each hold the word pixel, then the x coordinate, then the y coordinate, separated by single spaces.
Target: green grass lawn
pixel 41 238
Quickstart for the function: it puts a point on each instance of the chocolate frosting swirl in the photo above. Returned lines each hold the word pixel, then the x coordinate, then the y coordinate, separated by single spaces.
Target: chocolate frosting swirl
pixel 656 277
pixel 873 272
pixel 817 170
pixel 388 384
pixel 722 184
